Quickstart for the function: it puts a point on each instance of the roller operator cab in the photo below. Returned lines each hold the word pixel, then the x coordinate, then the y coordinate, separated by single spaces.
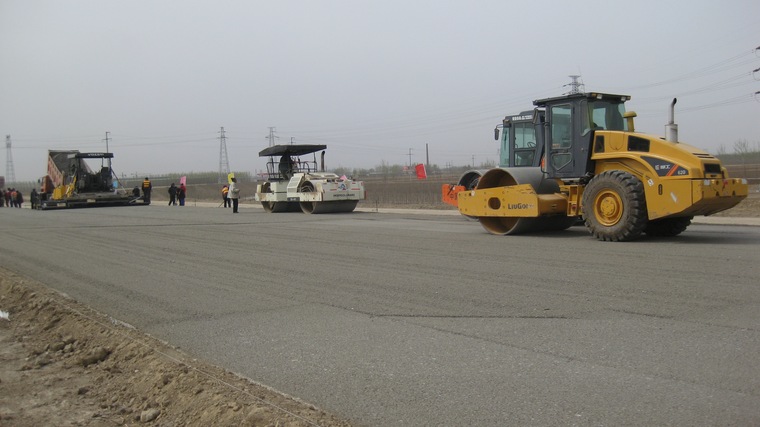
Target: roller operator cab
pixel 622 182
pixel 520 139
pixel 297 184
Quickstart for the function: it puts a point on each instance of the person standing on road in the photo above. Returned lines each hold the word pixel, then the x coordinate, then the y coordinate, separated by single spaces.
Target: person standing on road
pixel 146 187
pixel 234 194
pixel 34 197
pixel 181 194
pixel 226 196
pixel 172 195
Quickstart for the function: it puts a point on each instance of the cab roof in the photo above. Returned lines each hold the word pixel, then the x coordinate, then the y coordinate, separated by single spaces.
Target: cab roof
pixel 291 150
pixel 581 95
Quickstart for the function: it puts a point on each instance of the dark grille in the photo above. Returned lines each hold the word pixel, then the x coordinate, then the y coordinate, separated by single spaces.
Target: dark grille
pixel 638 144
pixel 599 144
pixel 712 168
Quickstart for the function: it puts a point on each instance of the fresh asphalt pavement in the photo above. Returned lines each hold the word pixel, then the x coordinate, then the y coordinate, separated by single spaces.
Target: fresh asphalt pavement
pixel 401 318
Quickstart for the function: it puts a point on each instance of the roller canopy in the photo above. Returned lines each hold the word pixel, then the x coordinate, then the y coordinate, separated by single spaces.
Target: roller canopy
pixel 291 150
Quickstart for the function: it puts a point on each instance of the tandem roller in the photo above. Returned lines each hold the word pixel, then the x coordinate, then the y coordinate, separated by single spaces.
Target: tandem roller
pixel 295 184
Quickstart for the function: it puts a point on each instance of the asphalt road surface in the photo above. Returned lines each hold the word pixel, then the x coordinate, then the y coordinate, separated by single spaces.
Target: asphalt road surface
pixel 401 319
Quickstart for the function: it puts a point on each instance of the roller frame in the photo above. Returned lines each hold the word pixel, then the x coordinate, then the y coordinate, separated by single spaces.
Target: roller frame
pixel 517 200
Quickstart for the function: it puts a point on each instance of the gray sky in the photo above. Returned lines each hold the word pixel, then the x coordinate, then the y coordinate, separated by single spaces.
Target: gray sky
pixel 371 79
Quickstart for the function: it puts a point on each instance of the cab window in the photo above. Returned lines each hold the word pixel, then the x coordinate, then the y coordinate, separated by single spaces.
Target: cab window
pixel 561 126
pixel 525 135
pixel 506 133
pixel 607 115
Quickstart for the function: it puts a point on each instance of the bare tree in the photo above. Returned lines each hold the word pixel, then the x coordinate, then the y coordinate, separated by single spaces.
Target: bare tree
pixel 741 147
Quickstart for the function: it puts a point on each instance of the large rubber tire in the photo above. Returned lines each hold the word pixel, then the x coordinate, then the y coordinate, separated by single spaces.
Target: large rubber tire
pixel 614 206
pixel 667 227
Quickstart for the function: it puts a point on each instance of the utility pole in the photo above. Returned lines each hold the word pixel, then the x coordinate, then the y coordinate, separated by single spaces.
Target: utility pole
pixel 224 162
pixel 9 171
pixel 272 136
pixel 108 160
pixel 410 158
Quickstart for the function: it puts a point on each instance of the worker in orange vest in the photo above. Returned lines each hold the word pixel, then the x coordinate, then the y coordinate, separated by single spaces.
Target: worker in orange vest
pixel 225 197
pixel 146 187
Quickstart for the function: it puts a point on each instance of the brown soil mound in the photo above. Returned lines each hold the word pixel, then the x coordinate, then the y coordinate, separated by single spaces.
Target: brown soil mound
pixel 62 363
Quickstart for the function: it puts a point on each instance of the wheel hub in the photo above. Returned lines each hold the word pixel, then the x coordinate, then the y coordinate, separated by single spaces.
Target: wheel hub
pixel 608 208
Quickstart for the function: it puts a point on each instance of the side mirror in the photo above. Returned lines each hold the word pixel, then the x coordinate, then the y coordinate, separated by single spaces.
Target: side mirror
pixel 496 133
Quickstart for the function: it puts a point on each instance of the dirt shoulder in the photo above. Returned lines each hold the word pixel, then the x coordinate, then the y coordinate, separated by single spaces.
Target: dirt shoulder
pixel 747 208
pixel 64 364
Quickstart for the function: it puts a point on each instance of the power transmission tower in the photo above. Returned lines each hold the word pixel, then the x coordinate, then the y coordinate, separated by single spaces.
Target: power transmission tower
pixel 272 136
pixel 575 85
pixel 9 171
pixel 224 162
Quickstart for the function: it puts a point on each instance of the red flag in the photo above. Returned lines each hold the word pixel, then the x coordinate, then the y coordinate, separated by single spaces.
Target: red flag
pixel 183 180
pixel 420 169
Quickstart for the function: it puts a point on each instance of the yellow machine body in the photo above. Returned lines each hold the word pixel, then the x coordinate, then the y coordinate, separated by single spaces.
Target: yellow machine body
pixel 679 179
pixel 623 183
pixel 683 189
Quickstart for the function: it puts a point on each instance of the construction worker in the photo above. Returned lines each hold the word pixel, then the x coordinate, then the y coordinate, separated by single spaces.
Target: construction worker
pixel 225 196
pixel 34 197
pixel 234 193
pixel 146 187
pixel 182 193
pixel 173 195
pixel 286 166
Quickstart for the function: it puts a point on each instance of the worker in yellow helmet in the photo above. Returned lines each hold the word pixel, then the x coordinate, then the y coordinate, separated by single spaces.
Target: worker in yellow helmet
pixel 225 196
pixel 146 187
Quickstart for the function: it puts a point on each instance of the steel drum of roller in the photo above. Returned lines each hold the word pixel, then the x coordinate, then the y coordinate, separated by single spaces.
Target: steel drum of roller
pixel 503 177
pixel 343 206
pixel 280 206
pixel 322 207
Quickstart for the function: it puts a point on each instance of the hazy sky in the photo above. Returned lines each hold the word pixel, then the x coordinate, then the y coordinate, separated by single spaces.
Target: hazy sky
pixel 374 80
